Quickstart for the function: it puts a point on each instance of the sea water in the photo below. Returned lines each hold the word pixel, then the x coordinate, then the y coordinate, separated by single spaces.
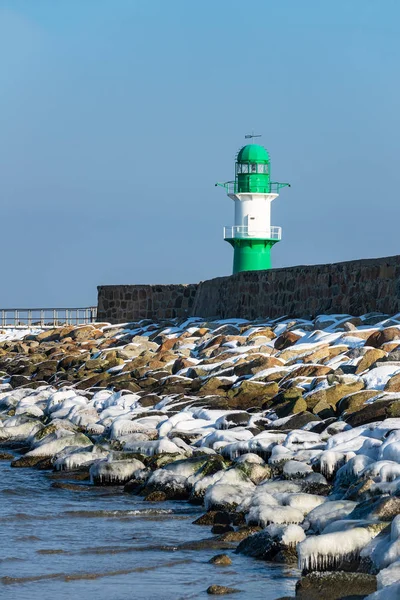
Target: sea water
pixel 99 543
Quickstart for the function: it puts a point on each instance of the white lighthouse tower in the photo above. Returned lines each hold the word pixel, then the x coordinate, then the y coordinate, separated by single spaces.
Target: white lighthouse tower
pixel 252 191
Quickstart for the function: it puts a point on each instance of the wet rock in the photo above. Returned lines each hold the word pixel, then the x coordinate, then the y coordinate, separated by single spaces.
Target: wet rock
pixel 206 519
pixel 221 559
pixel 6 456
pixel 218 529
pixel 157 496
pixel 258 545
pixel 220 590
pixel 335 585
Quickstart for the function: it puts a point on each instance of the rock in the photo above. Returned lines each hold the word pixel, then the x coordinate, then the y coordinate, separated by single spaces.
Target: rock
pixel 83 333
pixel 149 400
pixel 26 461
pixel 297 421
pixel 355 401
pixel 17 381
pixel 377 338
pixel 251 393
pixel 378 411
pixel 259 545
pixel 393 384
pixel 384 508
pixel 6 456
pixel 49 335
pixel 264 332
pixel 218 529
pixel 294 406
pixel 256 365
pixel 240 534
pixel 286 339
pixel 369 358
pixel 219 590
pixel 206 519
pixel 157 496
pixel 335 585
pixel 220 559
pixel 332 394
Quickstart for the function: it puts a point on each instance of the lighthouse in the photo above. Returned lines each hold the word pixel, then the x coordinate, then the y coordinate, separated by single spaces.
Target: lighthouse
pixel 252 191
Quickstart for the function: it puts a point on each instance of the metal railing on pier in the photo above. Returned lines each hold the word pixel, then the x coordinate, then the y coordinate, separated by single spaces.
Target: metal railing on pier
pixel 47 317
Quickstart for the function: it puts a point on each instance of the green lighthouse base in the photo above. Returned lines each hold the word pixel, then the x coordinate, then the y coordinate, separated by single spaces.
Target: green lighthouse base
pixel 251 254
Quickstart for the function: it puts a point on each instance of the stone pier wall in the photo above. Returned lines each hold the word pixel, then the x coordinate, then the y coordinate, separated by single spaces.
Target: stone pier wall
pixel 123 303
pixel 354 287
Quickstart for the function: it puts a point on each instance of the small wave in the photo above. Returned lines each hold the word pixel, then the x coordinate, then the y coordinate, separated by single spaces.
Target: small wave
pixel 119 514
pixel 7 580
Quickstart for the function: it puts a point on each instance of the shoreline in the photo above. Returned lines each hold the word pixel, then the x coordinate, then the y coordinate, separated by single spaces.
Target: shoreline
pixel 287 430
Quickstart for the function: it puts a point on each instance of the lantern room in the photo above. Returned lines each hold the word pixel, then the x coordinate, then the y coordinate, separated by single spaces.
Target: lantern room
pixel 252 170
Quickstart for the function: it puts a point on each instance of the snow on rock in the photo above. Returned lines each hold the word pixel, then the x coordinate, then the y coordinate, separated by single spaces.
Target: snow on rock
pixel 327 551
pixel 114 472
pixel 222 496
pixel 326 513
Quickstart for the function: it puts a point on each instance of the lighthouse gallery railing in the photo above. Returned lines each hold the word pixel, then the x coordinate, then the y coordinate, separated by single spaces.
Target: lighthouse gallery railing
pixel 242 231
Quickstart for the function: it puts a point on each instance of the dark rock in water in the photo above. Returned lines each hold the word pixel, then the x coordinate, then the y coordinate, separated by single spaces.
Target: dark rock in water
pixel 219 590
pixel 133 487
pixel 218 529
pixel 259 545
pixel 6 456
pixel 335 585
pixel 26 461
pixel 240 534
pixel 157 496
pixel 206 519
pixel 73 487
pixel 221 559
pixel 207 544
pixel 222 517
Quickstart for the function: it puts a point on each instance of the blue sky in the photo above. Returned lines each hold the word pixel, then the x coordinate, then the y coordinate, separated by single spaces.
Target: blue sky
pixel 118 116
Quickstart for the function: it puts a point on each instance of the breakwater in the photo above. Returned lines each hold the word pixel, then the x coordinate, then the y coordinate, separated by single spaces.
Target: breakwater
pixel 354 287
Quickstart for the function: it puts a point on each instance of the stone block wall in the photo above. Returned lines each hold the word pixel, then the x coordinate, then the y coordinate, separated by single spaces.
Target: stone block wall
pixel 353 287
pixel 123 303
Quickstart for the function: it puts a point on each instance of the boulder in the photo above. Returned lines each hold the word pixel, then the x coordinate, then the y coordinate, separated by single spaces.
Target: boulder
pixel 377 338
pixel 335 585
pixel 220 590
pixel 369 358
pixel 286 339
pixel 221 559
pixel 378 411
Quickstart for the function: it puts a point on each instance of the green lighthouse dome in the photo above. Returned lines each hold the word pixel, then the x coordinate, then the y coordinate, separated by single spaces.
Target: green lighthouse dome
pixel 253 153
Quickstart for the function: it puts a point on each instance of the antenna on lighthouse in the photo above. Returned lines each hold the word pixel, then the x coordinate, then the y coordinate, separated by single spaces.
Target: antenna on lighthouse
pixel 250 136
